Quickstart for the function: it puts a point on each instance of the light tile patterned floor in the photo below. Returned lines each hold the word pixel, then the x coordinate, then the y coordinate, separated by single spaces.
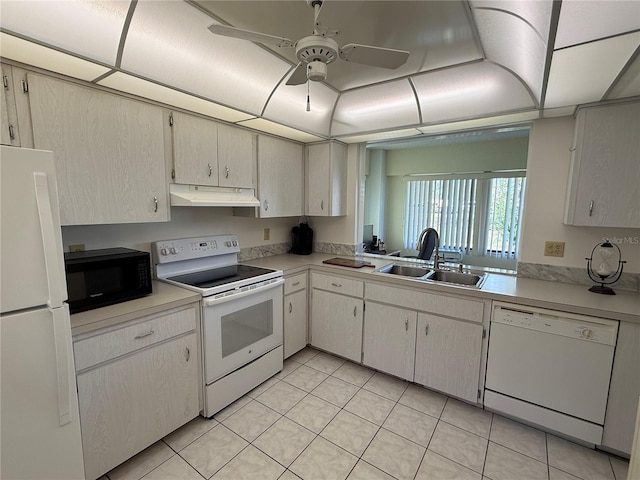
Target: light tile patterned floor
pixel 328 419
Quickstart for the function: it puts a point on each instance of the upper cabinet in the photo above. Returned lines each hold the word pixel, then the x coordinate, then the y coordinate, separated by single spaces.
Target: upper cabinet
pixel 212 154
pixel 326 179
pixel 280 177
pixel 236 157
pixel 109 152
pixel 603 184
pixel 195 150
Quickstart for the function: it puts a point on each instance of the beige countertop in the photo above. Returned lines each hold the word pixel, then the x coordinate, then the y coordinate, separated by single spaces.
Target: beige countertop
pixel 523 291
pixel 164 297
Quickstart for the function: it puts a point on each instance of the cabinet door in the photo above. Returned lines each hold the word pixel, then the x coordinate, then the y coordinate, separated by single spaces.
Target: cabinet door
pixel 109 153
pixel 336 324
pixel 317 173
pixel 389 341
pixel 236 157
pixel 280 178
pixel 448 355
pixel 128 404
pixel 605 191
pixel 624 390
pixel 9 134
pixel 295 322
pixel 195 150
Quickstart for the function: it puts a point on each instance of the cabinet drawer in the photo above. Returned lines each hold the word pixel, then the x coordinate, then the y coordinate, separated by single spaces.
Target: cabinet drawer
pixel 346 286
pixel 295 282
pixel 450 306
pixel 115 343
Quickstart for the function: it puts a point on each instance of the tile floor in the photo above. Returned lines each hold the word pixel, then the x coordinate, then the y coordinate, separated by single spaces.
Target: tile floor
pixel 325 418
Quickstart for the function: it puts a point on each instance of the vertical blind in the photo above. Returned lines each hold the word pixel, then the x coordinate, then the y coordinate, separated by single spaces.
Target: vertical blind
pixel 478 216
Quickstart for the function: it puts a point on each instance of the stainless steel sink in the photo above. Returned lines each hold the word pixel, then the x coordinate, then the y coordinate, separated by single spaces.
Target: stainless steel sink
pixel 405 270
pixel 468 279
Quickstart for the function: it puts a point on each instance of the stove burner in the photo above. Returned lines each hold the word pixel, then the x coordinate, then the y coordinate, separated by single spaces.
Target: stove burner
pixel 219 276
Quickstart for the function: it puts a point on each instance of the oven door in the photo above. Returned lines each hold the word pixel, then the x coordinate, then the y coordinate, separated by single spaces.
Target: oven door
pixel 241 327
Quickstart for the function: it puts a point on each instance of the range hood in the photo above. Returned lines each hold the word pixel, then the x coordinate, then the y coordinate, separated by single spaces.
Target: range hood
pixel 203 196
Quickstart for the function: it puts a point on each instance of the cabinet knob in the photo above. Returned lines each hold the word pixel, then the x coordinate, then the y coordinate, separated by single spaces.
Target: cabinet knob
pixel 355 311
pixel 266 205
pixel 155 204
pixel 591 208
pixel 290 307
pixel 187 354
pixel 226 171
pixel 210 169
pixel 143 335
pixel 406 325
pixel 321 204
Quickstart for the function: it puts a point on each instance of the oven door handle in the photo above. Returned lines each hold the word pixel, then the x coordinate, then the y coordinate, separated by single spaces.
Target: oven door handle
pixel 208 302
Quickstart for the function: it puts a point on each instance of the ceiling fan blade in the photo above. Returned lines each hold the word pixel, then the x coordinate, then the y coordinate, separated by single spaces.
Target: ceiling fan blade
pixel 375 56
pixel 234 32
pixel 299 75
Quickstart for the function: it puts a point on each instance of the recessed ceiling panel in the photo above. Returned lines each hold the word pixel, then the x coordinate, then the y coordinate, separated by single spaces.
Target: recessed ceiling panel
pixel 48 59
pixel 526 52
pixel 276 129
pixel 89 29
pixel 537 14
pixel 479 89
pixel 584 21
pixel 169 42
pixel 584 73
pixel 436 33
pixel 153 91
pixel 374 108
pixel 288 106
pixel 628 85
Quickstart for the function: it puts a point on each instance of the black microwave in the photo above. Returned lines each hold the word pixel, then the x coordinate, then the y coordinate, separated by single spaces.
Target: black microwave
pixel 97 278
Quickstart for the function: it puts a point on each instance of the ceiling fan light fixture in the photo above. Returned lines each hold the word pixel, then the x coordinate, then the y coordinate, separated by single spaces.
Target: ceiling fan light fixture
pixel 317 71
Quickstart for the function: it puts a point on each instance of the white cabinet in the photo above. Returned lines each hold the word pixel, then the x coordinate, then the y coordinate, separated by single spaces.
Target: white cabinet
pixel 212 154
pixel 295 313
pixel 280 178
pixel 109 152
pixel 236 157
pixel 326 179
pixel 624 390
pixel 389 340
pixel 136 383
pixel 195 150
pixel 603 184
pixel 448 355
pixel 336 317
pixel 9 134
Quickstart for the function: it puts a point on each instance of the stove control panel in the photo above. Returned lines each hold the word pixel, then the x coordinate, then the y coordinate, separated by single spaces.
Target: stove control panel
pixel 167 251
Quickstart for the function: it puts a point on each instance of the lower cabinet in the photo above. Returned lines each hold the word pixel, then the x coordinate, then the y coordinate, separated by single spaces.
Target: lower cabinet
pixel 132 396
pixel 389 340
pixel 336 324
pixel 448 355
pixel 295 314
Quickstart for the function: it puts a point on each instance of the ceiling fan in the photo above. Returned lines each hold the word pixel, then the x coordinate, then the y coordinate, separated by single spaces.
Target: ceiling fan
pixel 316 51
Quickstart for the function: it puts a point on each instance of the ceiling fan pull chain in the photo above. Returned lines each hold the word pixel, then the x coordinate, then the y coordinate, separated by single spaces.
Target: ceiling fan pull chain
pixel 308 99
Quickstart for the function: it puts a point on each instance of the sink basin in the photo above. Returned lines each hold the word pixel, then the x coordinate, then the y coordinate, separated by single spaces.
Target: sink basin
pixel 405 270
pixel 469 279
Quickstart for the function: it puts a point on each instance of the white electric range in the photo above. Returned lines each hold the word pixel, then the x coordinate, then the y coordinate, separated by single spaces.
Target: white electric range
pixel 241 313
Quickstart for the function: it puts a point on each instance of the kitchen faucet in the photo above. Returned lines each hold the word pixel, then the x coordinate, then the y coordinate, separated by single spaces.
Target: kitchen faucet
pixel 436 259
pixel 429 239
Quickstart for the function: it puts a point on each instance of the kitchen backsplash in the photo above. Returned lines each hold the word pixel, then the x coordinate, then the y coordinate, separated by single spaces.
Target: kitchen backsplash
pixel 628 281
pixel 277 248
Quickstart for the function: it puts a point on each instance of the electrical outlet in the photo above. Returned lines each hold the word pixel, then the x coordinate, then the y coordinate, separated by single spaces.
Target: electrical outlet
pixel 77 248
pixel 267 233
pixel 554 249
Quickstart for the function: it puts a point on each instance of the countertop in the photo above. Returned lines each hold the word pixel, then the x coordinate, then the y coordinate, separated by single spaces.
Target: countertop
pixel 164 297
pixel 566 297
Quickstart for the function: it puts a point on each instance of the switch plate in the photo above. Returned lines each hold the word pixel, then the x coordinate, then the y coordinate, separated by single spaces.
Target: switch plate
pixel 554 249
pixel 77 248
pixel 267 233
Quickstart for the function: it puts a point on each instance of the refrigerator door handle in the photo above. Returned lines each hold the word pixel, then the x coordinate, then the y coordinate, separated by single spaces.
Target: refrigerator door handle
pixel 61 335
pixel 52 257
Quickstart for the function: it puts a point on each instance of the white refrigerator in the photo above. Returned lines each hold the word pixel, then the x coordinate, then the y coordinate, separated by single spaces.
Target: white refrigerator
pixel 39 418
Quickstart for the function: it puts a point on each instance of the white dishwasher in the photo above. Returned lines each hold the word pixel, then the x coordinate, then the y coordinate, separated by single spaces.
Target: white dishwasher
pixel 550 368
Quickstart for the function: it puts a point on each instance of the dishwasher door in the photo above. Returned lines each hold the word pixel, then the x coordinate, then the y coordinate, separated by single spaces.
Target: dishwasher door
pixel 561 362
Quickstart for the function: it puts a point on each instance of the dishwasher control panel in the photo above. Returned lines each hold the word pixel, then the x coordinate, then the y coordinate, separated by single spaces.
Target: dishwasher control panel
pixel 571 325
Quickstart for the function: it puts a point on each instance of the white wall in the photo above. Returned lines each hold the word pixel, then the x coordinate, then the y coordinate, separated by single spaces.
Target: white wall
pixel 547 179
pixel 185 222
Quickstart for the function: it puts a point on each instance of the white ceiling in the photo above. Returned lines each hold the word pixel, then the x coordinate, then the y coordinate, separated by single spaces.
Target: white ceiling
pixel 471 64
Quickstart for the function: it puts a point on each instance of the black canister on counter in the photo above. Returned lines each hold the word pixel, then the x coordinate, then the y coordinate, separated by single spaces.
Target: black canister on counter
pixel 302 239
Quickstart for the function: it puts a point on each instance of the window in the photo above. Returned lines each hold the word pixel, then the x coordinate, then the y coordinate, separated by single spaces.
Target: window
pixel 478 215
